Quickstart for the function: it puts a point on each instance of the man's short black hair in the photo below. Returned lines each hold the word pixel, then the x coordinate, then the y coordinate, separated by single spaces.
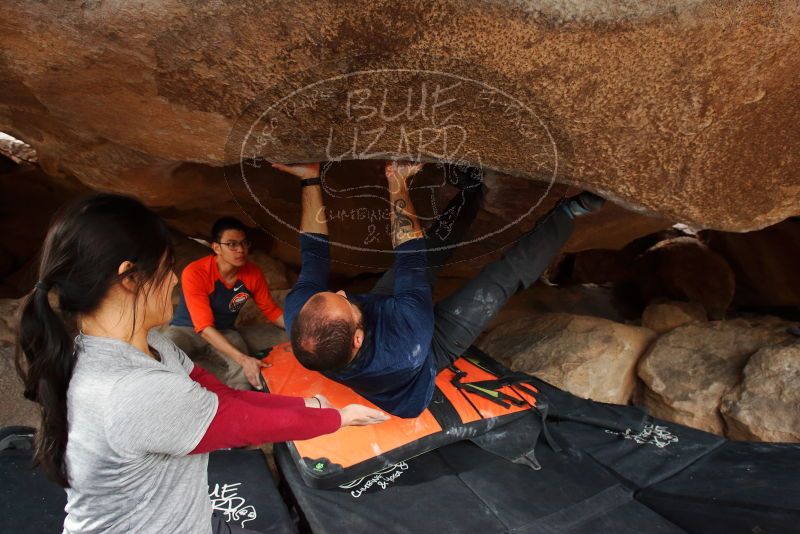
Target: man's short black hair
pixel 226 223
pixel 318 342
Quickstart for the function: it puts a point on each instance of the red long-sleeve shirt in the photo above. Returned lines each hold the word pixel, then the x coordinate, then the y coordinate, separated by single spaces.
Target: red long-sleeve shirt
pixel 251 418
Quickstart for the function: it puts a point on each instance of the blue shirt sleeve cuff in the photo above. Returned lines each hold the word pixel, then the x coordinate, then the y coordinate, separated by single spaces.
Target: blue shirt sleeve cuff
pixel 317 244
pixel 412 245
pixel 313 237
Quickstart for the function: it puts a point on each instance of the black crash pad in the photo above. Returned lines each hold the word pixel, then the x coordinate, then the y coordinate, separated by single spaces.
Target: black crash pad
pixel 241 486
pixel 462 488
pixel 593 467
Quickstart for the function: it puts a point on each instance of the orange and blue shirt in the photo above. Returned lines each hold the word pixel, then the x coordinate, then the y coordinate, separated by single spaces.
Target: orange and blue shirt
pixel 206 300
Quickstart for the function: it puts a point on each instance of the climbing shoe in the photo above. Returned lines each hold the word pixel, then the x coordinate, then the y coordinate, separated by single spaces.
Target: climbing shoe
pixel 464 177
pixel 582 204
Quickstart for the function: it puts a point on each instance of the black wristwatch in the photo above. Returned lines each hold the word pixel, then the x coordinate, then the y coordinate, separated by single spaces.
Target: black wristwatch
pixel 305 182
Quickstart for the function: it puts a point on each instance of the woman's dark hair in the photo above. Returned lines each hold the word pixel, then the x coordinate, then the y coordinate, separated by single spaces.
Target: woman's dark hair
pixel 80 259
pixel 226 223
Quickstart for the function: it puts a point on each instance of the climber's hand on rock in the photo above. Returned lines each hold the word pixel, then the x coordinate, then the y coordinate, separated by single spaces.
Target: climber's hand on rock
pixel 301 170
pixel 398 173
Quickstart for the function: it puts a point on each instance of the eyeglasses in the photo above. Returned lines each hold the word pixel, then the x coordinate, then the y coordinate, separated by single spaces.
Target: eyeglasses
pixel 236 245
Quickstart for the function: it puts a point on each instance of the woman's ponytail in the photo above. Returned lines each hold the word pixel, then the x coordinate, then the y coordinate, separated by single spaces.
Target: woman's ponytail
pixel 50 358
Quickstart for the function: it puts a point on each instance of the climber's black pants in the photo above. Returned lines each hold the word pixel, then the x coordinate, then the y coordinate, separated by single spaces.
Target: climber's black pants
pixel 460 318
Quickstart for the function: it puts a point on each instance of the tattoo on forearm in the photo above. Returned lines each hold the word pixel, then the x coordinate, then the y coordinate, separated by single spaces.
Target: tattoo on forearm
pixel 402 226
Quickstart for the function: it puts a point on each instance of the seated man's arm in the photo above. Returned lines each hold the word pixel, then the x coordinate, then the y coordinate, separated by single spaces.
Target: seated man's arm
pixel 252 366
pixel 412 291
pixel 314 245
pixel 195 293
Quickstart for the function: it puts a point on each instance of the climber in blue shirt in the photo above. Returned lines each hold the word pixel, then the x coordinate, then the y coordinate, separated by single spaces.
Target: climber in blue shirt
pixel 389 344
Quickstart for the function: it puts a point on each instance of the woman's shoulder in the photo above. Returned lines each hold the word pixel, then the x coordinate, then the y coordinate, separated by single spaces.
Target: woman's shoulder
pixel 104 354
pixel 109 356
pixel 172 356
pixel 99 365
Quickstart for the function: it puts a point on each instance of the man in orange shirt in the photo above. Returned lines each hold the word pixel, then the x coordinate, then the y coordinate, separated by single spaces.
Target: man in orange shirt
pixel 213 290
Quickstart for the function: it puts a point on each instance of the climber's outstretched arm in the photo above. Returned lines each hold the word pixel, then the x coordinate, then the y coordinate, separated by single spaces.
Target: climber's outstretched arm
pixel 405 225
pixel 313 218
pixel 412 299
pixel 314 246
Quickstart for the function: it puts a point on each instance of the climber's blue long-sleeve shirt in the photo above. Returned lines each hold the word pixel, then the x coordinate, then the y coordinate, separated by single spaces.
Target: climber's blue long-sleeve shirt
pixel 395 367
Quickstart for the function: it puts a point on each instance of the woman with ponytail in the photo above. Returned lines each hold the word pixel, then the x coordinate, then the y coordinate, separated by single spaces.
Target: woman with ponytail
pixel 127 419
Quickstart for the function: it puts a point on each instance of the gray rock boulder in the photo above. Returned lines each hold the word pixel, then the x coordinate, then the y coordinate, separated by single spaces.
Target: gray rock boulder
pixel 667 315
pixel 688 370
pixel 588 356
pixel 764 406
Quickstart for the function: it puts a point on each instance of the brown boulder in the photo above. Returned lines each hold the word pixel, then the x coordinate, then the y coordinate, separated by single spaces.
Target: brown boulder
pixel 7 263
pixel 14 408
pixel 682 268
pixel 590 357
pixel 688 370
pixel 612 228
pixel 646 103
pixel 187 250
pixel 9 310
pixel 251 315
pixel 764 406
pixel 668 315
pixel 600 266
pixel 588 299
pixel 765 263
pixel 274 271
pixel 28 200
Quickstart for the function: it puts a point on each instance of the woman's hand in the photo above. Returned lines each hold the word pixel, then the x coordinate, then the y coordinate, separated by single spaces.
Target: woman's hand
pixel 301 170
pixel 352 414
pixel 359 415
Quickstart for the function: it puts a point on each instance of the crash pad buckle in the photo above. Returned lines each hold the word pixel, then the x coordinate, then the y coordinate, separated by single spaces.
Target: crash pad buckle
pixel 490 389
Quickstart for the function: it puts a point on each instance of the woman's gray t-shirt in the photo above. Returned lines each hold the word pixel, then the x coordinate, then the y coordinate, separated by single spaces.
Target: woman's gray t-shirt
pixel 132 422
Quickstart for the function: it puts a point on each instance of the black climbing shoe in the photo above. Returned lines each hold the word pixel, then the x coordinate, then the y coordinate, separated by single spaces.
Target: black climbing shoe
pixel 583 203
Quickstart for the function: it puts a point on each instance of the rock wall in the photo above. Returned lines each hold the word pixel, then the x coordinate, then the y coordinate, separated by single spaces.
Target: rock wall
pixel 687 109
